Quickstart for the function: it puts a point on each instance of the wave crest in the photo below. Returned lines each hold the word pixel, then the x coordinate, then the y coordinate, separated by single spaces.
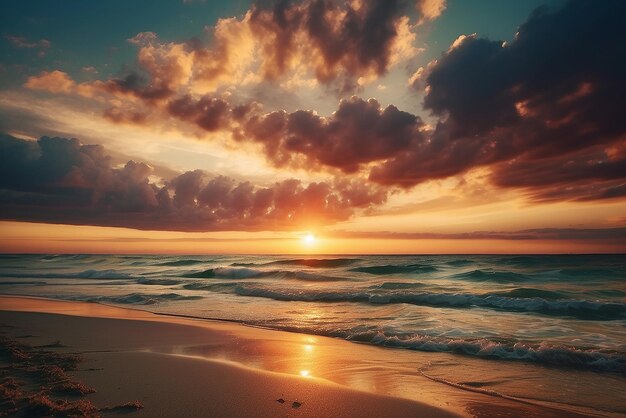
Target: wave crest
pixel 581 309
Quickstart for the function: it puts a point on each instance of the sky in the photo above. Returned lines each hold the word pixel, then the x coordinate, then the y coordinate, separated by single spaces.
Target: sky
pixel 316 126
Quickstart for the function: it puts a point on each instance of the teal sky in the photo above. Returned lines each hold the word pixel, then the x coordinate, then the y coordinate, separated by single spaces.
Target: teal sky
pixel 94 34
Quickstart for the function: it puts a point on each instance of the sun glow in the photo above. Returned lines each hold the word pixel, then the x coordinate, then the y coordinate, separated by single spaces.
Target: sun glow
pixel 309 239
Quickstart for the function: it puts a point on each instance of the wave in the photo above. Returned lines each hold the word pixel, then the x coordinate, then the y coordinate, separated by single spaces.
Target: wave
pixel 460 263
pixel 86 274
pixel 21 283
pixel 204 274
pixel 248 273
pixel 225 272
pixel 395 269
pixel 492 276
pixel 157 282
pixel 554 355
pixel 489 349
pixel 590 273
pixel 306 262
pixel 398 285
pixel 214 287
pixel 142 299
pixel 180 263
pixel 581 309
pixel 529 292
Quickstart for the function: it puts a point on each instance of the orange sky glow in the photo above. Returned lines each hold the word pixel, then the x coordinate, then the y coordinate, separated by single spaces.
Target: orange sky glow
pixel 374 135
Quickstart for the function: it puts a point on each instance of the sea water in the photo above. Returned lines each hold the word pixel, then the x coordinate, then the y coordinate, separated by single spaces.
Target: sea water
pixel 558 321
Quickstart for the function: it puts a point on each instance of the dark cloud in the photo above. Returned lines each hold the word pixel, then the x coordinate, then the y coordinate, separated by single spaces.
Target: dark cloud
pixel 211 114
pixel 341 40
pixel 359 132
pixel 543 100
pixel 590 175
pixel 559 234
pixel 140 85
pixel 552 93
pixel 59 180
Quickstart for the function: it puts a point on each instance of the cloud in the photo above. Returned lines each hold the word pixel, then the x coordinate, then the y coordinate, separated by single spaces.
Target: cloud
pixel 589 175
pixel 59 180
pixel 343 45
pixel 359 40
pixel 164 68
pixel 60 82
pixel 431 9
pixel 21 42
pixel 90 69
pixel 560 234
pixel 42 45
pixel 547 97
pixel 210 114
pixel 54 81
pixel 358 133
pixel 552 97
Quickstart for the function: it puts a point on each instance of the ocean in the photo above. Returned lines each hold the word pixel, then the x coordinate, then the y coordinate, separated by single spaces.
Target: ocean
pixel 519 322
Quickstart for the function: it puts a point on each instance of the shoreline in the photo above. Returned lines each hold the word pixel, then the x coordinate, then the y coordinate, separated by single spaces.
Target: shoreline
pixel 165 344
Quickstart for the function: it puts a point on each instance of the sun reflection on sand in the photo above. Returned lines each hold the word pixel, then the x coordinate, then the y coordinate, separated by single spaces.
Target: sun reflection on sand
pixel 307 357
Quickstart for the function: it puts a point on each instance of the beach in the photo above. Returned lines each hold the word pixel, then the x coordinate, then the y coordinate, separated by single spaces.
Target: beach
pixel 174 366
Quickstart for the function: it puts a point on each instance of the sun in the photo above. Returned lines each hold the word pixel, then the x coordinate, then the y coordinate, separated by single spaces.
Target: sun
pixel 309 239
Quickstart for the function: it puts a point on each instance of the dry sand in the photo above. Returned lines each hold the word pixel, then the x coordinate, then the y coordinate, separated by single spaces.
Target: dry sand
pixel 187 367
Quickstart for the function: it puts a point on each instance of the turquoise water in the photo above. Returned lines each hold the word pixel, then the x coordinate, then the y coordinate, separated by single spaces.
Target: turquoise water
pixel 564 314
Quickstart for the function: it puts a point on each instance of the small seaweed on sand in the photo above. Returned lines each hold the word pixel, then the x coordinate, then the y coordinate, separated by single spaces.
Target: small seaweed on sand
pixel 59 382
pixel 69 387
pixel 126 407
pixel 45 370
pixel 9 392
pixel 43 405
pixel 46 384
pixel 296 404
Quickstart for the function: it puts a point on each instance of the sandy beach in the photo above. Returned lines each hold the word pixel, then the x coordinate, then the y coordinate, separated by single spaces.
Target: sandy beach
pixel 155 365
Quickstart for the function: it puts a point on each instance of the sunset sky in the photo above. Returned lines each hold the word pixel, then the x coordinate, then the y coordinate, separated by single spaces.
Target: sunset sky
pixel 320 126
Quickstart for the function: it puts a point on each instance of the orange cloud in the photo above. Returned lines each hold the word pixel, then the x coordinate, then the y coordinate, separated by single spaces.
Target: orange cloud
pixel 431 9
pixel 60 82
pixel 55 82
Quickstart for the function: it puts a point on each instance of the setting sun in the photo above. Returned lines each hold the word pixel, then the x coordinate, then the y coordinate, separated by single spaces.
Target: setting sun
pixel 309 239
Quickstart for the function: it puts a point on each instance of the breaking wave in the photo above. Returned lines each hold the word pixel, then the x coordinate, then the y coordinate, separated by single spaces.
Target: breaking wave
pixel 395 269
pixel 492 276
pixel 238 273
pixel 181 263
pixel 555 355
pixel 306 262
pixel 86 274
pixel 142 299
pixel 581 309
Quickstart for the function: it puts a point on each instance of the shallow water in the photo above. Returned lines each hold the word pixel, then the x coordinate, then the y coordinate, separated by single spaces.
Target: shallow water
pixel 552 322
